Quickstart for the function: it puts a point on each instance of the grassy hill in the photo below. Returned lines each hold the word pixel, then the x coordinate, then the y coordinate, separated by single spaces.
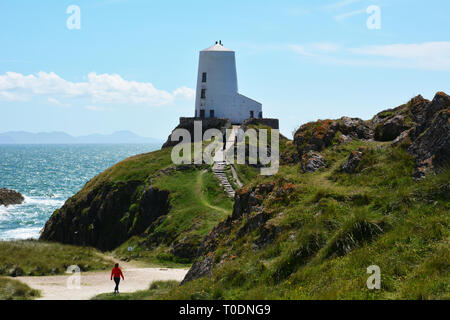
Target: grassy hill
pixel 349 194
pixel 316 233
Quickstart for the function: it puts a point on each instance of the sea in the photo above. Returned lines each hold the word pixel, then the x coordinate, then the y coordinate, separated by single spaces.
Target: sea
pixel 47 175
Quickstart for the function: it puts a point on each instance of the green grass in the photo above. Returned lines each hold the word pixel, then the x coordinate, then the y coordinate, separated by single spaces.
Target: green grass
pixel 333 226
pixel 197 203
pixel 44 258
pixel 15 290
pixel 157 290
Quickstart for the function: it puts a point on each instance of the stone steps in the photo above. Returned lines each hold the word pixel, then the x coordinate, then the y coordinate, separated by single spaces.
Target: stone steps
pixel 219 171
pixel 219 166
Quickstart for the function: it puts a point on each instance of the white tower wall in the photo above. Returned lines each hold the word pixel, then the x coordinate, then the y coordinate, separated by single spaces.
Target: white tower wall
pixel 217 87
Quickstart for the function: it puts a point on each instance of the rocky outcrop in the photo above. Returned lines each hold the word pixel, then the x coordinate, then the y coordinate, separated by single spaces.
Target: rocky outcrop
pixel 353 161
pixel 419 125
pixel 318 135
pixel 422 126
pixel 9 197
pixel 432 148
pixel 390 129
pixel 312 161
pixel 186 248
pixel 355 128
pixel 106 216
pixel 202 268
pixel 313 137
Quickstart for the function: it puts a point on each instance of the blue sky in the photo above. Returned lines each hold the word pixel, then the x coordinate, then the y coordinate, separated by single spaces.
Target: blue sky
pixel 132 65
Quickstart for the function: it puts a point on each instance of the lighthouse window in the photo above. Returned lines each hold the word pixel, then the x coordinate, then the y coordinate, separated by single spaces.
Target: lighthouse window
pixel 202 113
pixel 251 114
pixel 203 94
pixel 204 77
pixel 211 113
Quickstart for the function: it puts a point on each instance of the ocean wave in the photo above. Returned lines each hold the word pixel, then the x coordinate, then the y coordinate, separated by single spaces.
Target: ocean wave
pixel 21 233
pixel 43 201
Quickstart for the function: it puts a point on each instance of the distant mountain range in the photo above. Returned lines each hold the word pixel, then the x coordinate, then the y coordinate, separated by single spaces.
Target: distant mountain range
pixel 57 137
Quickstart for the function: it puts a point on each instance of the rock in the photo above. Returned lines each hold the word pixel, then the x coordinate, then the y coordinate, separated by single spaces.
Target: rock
pixel 289 155
pixel 315 135
pixel 390 129
pixel 432 148
pixel 418 107
pixel 106 216
pixel 424 113
pixel 422 126
pixel 200 269
pixel 353 161
pixel 429 138
pixel 245 201
pixel 344 138
pixel 9 197
pixel 312 161
pixel 403 138
pixel 254 222
pixel 185 248
pixel 355 128
pixel 154 203
pixel 268 232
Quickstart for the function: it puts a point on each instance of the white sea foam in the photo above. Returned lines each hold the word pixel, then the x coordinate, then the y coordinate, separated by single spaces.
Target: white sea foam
pixel 20 233
pixel 3 211
pixel 43 201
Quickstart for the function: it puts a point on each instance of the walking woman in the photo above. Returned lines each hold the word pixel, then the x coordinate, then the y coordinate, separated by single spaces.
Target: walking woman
pixel 116 273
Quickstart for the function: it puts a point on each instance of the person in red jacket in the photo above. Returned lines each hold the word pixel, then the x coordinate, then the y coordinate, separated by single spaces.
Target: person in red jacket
pixel 116 273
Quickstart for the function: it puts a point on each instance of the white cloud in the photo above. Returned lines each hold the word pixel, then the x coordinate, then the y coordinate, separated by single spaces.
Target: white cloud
pixel 99 88
pixel 340 4
pixel 184 92
pixel 425 56
pixel 58 103
pixel 428 55
pixel 343 16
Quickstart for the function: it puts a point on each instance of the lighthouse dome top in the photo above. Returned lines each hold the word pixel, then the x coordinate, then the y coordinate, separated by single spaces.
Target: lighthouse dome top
pixel 217 47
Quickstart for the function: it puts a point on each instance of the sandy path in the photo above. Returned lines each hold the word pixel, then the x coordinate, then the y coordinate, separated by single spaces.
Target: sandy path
pixel 96 282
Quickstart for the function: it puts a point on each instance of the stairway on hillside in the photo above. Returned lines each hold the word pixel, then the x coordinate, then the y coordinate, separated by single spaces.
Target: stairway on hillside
pixel 220 163
pixel 219 171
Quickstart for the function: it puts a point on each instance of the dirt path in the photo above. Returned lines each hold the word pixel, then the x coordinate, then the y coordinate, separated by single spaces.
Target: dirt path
pixel 96 282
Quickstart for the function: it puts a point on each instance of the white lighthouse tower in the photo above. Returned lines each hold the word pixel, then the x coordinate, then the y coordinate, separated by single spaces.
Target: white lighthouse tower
pixel 217 90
